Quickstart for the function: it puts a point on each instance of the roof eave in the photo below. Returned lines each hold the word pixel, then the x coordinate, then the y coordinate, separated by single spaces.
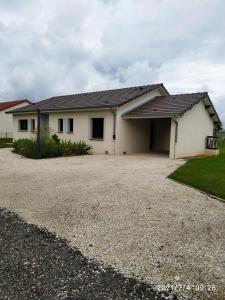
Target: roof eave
pixel 219 122
pixel 150 116
pixel 108 107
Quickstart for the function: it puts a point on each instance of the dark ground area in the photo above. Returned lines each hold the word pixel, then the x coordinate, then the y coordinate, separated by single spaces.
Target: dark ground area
pixel 35 264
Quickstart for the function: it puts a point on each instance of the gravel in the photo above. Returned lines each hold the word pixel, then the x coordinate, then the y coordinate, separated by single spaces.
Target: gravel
pixel 35 264
pixel 123 211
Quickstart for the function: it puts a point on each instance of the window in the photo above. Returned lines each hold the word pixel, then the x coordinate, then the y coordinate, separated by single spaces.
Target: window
pixel 60 125
pixel 23 125
pixel 97 128
pixel 32 124
pixel 70 125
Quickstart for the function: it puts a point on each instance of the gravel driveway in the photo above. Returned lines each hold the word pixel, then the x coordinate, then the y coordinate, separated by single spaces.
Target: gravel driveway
pixel 37 265
pixel 124 212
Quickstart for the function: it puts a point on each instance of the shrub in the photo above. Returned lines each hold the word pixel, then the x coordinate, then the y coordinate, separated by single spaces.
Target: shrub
pixel 81 148
pixel 56 138
pixel 26 147
pixel 50 147
pixel 5 143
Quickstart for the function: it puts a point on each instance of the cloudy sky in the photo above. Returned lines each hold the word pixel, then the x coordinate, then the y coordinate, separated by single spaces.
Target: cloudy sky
pixel 58 47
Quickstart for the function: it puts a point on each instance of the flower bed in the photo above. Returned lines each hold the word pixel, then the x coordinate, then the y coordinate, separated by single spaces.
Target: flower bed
pixel 50 147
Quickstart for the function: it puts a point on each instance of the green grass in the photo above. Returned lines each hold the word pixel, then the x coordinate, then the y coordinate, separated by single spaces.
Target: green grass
pixel 6 143
pixel 221 145
pixel 206 174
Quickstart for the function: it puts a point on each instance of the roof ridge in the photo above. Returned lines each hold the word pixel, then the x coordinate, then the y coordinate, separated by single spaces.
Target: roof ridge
pixel 97 92
pixel 110 90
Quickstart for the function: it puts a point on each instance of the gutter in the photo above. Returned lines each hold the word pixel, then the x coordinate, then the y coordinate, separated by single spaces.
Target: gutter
pixel 61 110
pixel 114 132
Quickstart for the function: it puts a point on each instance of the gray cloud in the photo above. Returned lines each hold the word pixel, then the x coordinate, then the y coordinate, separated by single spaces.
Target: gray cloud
pixel 54 47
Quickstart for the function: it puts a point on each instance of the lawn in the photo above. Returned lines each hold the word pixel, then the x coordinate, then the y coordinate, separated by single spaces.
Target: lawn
pixel 6 143
pixel 221 144
pixel 206 173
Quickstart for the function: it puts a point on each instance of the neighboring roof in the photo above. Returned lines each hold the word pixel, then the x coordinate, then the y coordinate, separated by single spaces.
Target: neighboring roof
pixel 103 99
pixel 9 104
pixel 172 106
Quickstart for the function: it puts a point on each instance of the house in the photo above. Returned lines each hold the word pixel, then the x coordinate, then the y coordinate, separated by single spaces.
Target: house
pixel 128 120
pixel 6 120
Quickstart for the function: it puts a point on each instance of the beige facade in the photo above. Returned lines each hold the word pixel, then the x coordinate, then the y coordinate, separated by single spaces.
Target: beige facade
pixel 193 128
pixel 6 121
pixel 82 128
pixel 137 135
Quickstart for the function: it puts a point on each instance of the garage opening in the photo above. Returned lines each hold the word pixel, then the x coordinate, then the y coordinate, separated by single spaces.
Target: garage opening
pixel 159 135
pixel 146 135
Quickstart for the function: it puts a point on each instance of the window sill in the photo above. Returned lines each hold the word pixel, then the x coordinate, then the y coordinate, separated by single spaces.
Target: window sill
pixel 59 131
pixel 22 130
pixel 70 132
pixel 96 139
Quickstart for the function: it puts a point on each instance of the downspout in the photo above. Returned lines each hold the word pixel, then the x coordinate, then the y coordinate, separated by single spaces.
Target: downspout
pixel 38 133
pixel 175 138
pixel 114 132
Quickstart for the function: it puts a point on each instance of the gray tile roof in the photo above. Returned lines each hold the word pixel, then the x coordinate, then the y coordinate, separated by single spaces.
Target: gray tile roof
pixel 110 98
pixel 168 105
pixel 161 106
pixel 172 106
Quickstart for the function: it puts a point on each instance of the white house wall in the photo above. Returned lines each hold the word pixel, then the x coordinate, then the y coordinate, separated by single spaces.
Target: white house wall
pixel 6 121
pixel 193 128
pixel 172 139
pixel 82 128
pixel 23 134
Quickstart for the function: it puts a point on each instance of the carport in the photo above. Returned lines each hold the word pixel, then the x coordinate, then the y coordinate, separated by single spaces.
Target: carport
pixel 154 128
pixel 150 134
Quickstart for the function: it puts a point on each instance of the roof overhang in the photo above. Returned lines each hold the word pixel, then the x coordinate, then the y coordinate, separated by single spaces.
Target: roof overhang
pixel 149 116
pixel 211 110
pixel 63 110
pixel 154 115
